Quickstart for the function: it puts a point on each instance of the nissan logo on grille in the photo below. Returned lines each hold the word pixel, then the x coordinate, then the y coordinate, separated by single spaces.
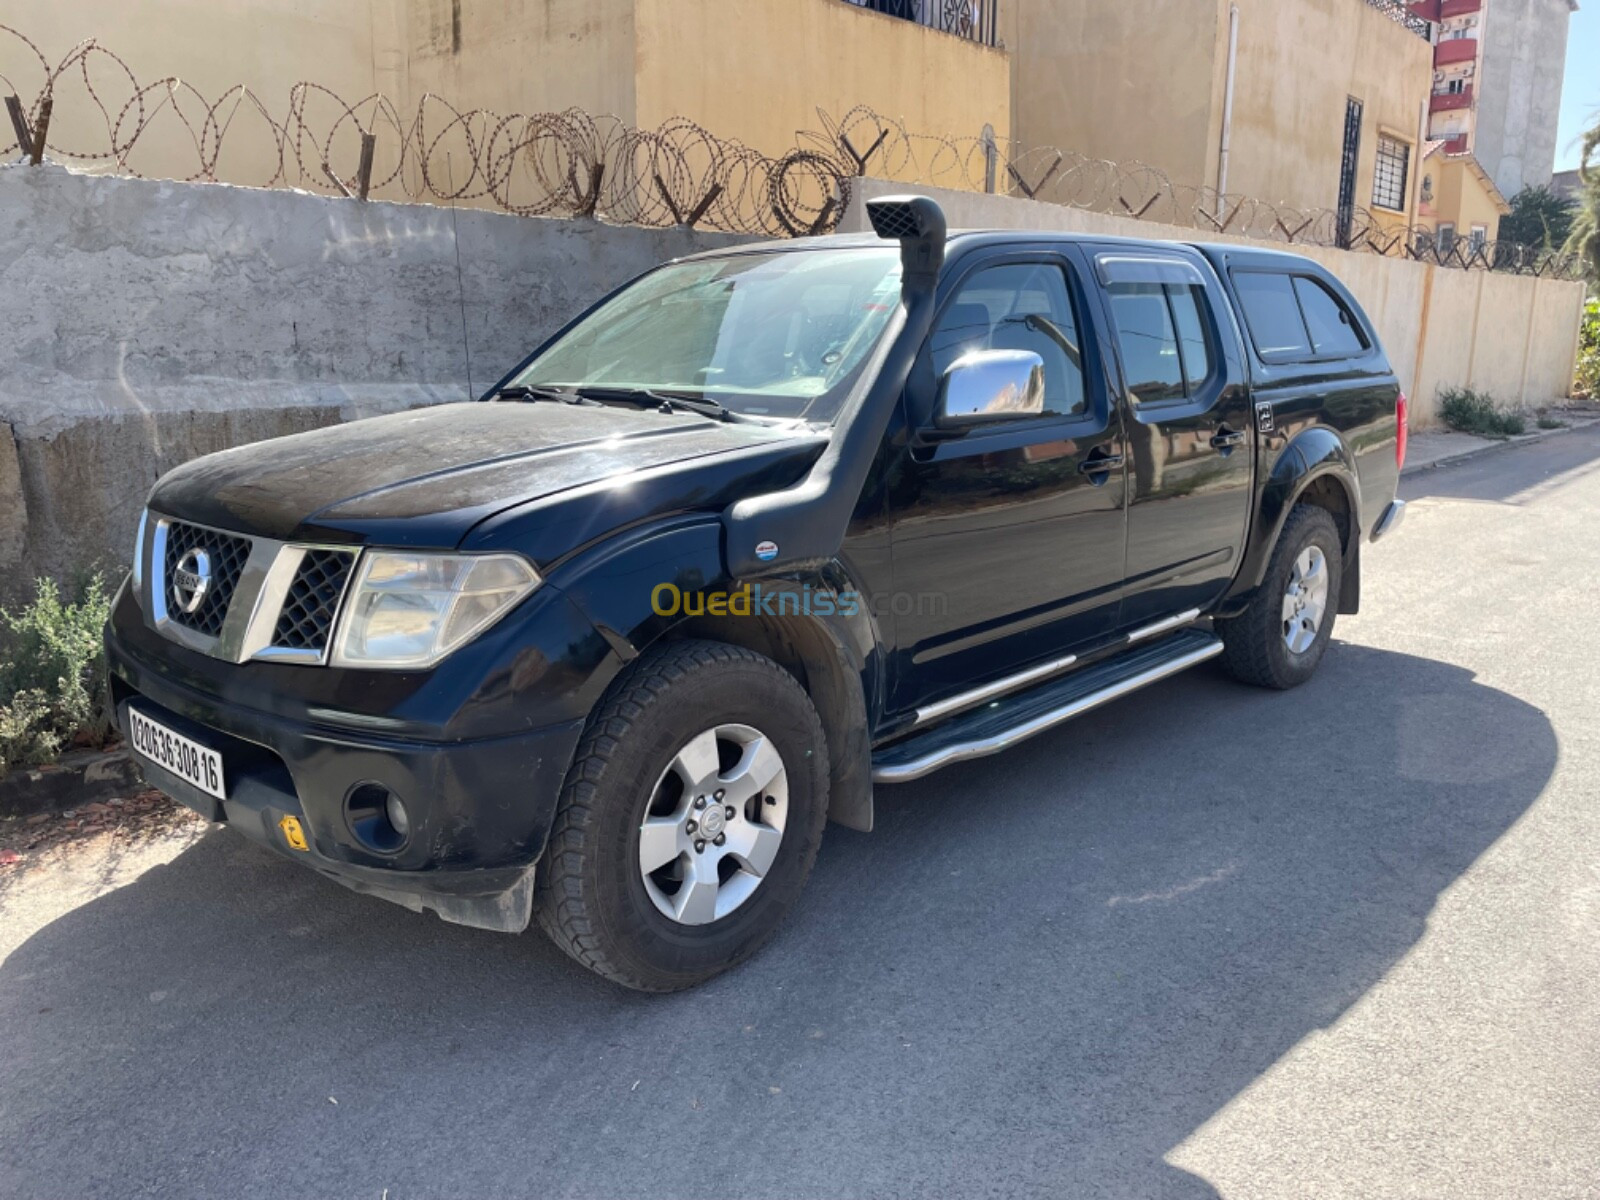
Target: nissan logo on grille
pixel 191 581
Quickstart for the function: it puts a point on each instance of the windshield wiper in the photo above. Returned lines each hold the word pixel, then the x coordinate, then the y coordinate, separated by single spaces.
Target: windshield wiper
pixel 669 402
pixel 518 391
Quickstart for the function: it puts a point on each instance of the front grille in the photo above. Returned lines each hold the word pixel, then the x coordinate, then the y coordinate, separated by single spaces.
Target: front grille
pixel 226 555
pixel 306 619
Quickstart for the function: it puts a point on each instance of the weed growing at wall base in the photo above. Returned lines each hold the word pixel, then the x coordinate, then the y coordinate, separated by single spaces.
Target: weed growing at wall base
pixel 1468 411
pixel 53 674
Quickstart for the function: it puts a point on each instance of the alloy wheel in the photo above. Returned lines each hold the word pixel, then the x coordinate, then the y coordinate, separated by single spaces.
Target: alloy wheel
pixel 714 824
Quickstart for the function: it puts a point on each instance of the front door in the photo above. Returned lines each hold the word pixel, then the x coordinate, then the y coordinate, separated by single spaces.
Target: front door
pixel 1190 431
pixel 1007 542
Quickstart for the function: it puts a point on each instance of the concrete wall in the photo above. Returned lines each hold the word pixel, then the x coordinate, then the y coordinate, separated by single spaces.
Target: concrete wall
pixel 1513 336
pixel 1145 80
pixel 1519 90
pixel 148 323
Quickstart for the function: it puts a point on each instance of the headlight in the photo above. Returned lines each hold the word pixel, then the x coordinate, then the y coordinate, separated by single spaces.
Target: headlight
pixel 409 610
pixel 138 556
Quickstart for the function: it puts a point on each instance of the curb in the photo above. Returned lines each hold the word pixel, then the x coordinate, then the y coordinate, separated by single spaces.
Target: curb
pixel 80 777
pixel 1522 440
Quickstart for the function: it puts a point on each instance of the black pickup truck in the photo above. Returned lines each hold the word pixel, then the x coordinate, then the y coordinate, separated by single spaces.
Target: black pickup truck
pixel 759 531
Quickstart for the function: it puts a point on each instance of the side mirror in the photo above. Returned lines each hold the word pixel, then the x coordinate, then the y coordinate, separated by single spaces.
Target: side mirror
pixel 989 386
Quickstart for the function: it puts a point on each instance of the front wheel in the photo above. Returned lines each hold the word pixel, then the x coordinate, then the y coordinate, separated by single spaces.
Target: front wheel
pixel 1280 638
pixel 690 819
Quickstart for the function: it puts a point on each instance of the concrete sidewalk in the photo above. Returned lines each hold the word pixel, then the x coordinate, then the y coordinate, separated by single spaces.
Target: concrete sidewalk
pixel 1442 447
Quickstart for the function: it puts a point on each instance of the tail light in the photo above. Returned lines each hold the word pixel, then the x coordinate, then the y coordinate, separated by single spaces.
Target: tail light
pixel 1403 435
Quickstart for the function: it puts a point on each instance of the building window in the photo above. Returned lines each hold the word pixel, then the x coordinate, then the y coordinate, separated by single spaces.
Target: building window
pixel 1480 235
pixel 1447 237
pixel 1389 184
pixel 1455 87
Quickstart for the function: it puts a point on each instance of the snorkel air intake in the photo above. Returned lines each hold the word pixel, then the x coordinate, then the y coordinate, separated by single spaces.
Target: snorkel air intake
pixel 918 224
pixel 803 526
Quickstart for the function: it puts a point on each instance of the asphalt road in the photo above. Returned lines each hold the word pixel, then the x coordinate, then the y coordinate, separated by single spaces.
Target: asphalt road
pixel 1208 941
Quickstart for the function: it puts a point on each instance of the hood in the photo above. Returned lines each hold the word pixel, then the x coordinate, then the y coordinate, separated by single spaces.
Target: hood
pixel 427 477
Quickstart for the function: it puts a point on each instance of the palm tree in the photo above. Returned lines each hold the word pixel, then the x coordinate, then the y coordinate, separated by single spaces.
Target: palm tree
pixel 1584 240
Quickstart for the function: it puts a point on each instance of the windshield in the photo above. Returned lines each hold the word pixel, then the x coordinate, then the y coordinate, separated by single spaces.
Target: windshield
pixel 781 335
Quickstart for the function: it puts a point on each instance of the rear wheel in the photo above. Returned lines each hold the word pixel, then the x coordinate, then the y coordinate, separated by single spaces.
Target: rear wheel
pixel 690 819
pixel 1280 638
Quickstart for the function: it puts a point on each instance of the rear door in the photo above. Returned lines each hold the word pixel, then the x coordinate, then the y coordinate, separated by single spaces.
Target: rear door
pixel 1186 408
pixel 1008 540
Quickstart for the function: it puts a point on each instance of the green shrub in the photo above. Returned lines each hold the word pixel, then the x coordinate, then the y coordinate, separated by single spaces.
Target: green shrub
pixel 1470 411
pixel 1589 351
pixel 53 674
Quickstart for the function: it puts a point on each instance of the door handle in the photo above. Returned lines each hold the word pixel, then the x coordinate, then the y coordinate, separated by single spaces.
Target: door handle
pixel 1227 439
pixel 1100 465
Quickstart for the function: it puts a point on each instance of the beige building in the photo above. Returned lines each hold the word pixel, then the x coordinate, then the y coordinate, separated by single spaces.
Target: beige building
pixel 1136 80
pixel 1148 80
pixel 1498 71
pixel 1459 204
pixel 755 72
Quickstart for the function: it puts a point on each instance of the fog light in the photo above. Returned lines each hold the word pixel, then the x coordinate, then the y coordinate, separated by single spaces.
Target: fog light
pixel 377 818
pixel 396 812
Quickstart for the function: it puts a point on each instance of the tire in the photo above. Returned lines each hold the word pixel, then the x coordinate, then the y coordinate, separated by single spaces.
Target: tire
pixel 641 750
pixel 1262 645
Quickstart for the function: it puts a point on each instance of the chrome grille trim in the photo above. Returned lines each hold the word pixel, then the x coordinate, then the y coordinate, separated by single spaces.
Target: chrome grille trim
pixel 255 606
pixel 311 606
pixel 226 553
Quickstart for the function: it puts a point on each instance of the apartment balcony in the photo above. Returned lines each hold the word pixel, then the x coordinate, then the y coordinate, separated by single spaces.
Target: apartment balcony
pixel 1456 145
pixel 1403 14
pixel 1451 101
pixel 1456 50
pixel 973 20
pixel 1459 8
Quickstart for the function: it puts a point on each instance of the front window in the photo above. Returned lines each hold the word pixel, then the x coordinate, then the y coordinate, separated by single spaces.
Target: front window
pixel 783 334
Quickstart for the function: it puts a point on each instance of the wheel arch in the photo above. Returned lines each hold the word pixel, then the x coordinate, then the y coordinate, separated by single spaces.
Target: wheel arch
pixel 835 655
pixel 835 676
pixel 1318 468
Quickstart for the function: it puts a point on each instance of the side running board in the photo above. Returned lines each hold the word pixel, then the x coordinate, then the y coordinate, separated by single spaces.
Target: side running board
pixel 1018 717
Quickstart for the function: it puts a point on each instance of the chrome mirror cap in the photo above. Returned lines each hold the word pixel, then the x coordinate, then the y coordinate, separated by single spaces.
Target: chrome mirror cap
pixel 988 386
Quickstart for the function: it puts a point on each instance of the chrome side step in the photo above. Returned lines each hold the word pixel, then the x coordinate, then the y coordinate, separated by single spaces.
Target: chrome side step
pixel 1012 683
pixel 1016 719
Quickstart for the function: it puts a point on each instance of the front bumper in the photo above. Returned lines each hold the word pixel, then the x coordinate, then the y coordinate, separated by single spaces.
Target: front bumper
pixel 479 810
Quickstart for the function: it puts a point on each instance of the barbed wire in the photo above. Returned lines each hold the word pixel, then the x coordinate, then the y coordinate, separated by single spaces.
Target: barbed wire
pixel 880 146
pixel 574 164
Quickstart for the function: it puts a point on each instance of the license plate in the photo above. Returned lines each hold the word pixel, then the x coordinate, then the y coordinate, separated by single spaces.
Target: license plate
pixel 184 757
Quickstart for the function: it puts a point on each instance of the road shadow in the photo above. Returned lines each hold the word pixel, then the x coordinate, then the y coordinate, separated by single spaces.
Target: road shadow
pixel 1041 974
pixel 1514 475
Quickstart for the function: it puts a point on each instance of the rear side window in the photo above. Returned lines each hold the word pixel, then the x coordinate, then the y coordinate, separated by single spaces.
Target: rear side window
pixel 1333 326
pixel 1273 314
pixel 1162 339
